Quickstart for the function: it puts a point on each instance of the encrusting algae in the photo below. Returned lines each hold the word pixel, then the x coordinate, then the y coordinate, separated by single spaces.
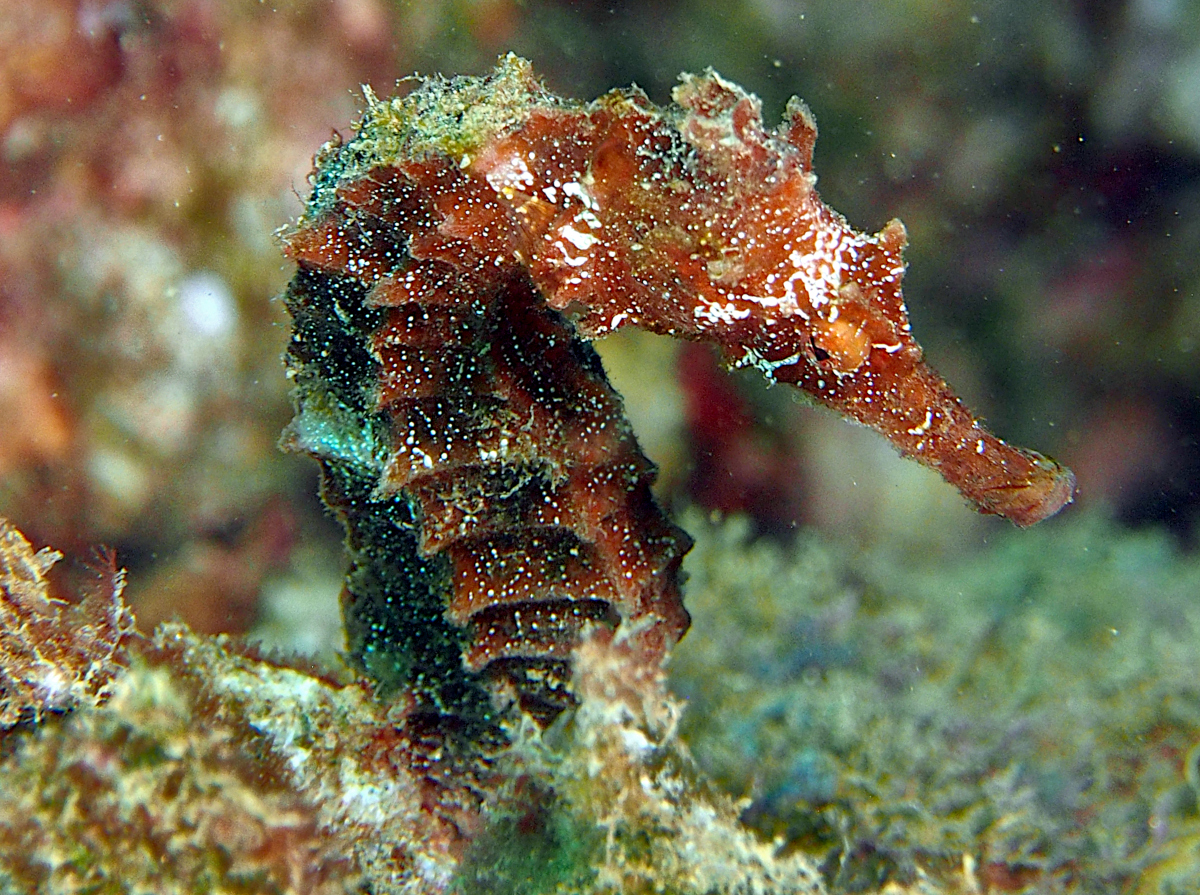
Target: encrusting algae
pixel 514 587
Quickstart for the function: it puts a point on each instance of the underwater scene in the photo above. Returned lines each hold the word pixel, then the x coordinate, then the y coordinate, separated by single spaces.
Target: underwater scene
pixel 530 446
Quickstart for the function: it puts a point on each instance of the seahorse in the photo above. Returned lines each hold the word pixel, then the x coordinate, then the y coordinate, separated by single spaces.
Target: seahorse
pixel 457 255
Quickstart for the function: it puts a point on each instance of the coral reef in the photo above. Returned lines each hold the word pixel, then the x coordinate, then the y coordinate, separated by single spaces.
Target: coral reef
pixel 1056 754
pixel 212 768
pixel 1053 745
pixel 55 655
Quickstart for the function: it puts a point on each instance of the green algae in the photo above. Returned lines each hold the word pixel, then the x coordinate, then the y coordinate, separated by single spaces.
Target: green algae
pixel 536 847
pixel 1029 706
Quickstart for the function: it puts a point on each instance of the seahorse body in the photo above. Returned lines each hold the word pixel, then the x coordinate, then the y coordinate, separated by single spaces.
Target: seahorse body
pixel 455 255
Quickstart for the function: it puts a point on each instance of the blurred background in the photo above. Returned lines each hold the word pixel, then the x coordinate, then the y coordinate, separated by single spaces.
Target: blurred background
pixel 1045 157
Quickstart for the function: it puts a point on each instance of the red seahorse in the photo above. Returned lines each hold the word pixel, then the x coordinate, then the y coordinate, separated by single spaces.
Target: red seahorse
pixel 469 239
